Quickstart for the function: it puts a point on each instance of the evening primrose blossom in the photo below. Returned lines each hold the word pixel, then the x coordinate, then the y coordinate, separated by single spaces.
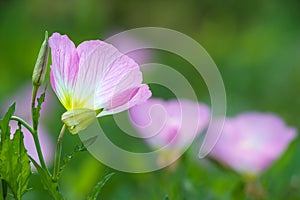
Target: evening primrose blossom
pixel 93 80
pixel 252 141
pixel 170 126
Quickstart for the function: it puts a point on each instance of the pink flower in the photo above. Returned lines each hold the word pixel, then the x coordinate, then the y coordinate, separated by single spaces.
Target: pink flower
pixel 23 105
pixel 251 142
pixel 93 80
pixel 173 124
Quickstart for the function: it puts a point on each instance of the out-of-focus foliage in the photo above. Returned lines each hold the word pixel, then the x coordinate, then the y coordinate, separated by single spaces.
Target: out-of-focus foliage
pixel 255 44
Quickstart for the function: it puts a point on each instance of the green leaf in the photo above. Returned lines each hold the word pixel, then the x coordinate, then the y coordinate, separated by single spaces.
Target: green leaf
pixel 36 110
pixel 96 191
pixel 3 189
pixel 48 183
pixel 14 161
pixel 4 123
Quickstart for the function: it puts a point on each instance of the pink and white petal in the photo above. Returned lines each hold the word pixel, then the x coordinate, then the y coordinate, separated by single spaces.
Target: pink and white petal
pixel 62 91
pixel 64 67
pixel 85 48
pixel 121 75
pixel 120 84
pixel 136 96
pixel 89 73
pixel 95 59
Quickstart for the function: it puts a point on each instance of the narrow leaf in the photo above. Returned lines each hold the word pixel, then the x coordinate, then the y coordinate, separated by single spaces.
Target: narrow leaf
pixel 96 191
pixel 4 123
pixel 3 189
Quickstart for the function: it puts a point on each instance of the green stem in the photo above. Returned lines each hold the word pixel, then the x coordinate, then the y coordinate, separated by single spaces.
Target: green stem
pixel 35 131
pixel 25 124
pixel 35 138
pixel 34 93
pixel 39 151
pixel 58 153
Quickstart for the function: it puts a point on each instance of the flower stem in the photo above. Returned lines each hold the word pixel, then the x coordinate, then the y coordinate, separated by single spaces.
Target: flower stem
pixel 58 153
pixel 35 131
pixel 33 97
pixel 35 138
pixel 25 124
pixel 39 151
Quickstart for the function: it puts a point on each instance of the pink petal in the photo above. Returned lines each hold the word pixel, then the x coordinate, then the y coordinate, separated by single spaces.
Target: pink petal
pixel 90 72
pixel 64 67
pixel 175 122
pixel 103 77
pixel 251 142
pixel 141 115
pixel 120 75
pixel 104 73
pixel 115 76
pixel 127 99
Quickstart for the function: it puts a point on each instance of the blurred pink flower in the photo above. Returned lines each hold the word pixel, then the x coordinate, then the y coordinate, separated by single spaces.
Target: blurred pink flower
pixel 251 142
pixel 22 97
pixel 175 123
pixel 93 80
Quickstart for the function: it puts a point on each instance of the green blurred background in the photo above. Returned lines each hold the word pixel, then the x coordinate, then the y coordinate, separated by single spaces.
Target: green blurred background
pixel 255 44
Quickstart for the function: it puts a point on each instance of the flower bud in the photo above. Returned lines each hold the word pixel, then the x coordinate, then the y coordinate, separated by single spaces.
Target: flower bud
pixel 40 67
pixel 79 119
